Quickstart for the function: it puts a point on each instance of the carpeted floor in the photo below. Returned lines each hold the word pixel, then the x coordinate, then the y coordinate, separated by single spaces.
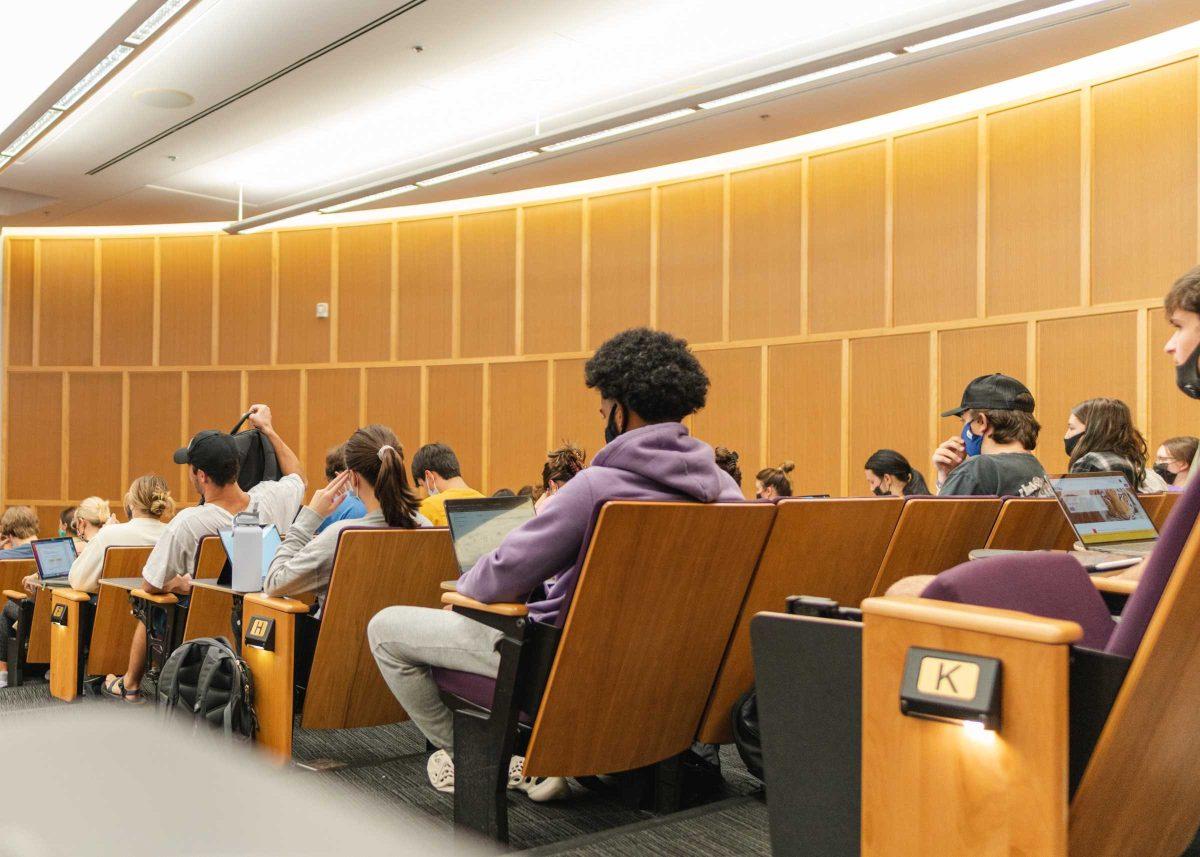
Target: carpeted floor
pixel 385 766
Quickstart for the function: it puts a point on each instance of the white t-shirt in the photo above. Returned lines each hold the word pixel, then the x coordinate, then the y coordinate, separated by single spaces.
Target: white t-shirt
pixel 138 532
pixel 175 553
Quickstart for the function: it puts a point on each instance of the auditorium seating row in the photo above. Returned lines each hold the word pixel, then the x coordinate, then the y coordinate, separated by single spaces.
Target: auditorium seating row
pixel 702 573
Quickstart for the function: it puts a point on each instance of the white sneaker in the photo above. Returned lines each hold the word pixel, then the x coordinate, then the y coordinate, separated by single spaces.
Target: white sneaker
pixel 440 769
pixel 539 789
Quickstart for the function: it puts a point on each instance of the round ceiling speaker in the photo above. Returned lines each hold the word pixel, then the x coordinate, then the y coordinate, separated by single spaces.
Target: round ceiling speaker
pixel 167 99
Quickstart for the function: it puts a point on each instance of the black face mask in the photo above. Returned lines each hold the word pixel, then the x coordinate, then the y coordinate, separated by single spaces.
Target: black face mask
pixel 1187 378
pixel 1069 443
pixel 611 431
pixel 879 492
pixel 1167 475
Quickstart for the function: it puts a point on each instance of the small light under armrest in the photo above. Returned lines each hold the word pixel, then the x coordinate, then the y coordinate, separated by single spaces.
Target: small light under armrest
pixel 454 599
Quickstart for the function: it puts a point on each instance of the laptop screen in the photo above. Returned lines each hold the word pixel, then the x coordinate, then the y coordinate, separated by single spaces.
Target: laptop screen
pixel 479 526
pixel 1103 508
pixel 53 557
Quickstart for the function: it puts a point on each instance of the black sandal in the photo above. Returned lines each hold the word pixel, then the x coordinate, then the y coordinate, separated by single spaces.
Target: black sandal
pixel 115 689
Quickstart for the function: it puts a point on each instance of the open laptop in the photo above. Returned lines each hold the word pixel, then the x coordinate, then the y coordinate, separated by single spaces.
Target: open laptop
pixel 1105 512
pixel 478 526
pixel 54 558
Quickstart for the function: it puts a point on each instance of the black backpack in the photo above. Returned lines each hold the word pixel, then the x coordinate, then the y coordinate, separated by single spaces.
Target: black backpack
pixel 256 457
pixel 205 680
pixel 746 733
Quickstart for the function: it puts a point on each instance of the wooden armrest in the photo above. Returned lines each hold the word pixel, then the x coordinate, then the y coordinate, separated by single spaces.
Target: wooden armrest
pixel 14 595
pixel 283 605
pixel 164 598
pixel 968 617
pixel 71 595
pixel 1118 585
pixel 456 600
pixel 449 585
pixel 214 586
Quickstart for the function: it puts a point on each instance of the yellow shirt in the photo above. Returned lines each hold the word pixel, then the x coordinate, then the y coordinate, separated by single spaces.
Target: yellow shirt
pixel 434 506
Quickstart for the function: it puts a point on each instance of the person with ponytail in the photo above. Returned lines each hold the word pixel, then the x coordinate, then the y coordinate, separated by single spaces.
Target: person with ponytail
pixel 771 483
pixel 376 474
pixel 889 473
pixel 148 506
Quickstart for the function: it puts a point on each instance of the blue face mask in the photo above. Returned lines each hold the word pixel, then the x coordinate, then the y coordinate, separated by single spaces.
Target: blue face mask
pixel 973 442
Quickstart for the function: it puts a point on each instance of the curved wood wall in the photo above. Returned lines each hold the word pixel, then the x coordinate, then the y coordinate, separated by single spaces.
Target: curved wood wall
pixel 839 302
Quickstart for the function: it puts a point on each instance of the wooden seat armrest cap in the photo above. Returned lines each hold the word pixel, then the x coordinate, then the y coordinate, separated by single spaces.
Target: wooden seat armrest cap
pixel 283 605
pixel 164 598
pixel 968 617
pixel 1118 585
pixel 71 595
pixel 456 600
pixel 14 595
pixel 449 585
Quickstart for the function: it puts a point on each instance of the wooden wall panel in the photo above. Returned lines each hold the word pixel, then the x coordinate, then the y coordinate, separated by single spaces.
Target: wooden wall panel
pixel 48 520
pixel 19 291
pixel 364 302
pixel 155 427
pixel 126 301
pixel 489 286
pixel 94 439
pixel 889 401
pixel 619 264
pixel 245 300
pixel 35 433
pixel 186 301
pixel 691 235
pixel 732 416
pixel 280 390
pixel 576 417
pixel 425 255
pixel 517 424
pixel 1033 206
pixel 332 415
pixel 66 294
pixel 304 281
pixel 937 193
pixel 847 248
pixel 766 223
pixel 214 402
pixel 456 416
pixel 964 355
pixel 804 413
pixel 1078 359
pixel 553 282
pixel 1143 182
pixel 394 399
pixel 1171 412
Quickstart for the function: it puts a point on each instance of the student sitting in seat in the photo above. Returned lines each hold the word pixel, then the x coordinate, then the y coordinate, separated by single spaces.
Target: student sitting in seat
pixel 648 382
pixel 212 459
pixel 771 483
pixel 351 507
pixel 890 475
pixel 18 527
pixel 90 515
pixel 148 505
pixel 561 466
pixel 1173 460
pixel 993 456
pixel 66 527
pixel 374 474
pixel 435 468
pixel 727 460
pixel 1101 436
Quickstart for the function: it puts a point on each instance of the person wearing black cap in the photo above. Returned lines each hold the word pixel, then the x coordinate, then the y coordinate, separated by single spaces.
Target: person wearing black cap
pixel 212 459
pixel 992 456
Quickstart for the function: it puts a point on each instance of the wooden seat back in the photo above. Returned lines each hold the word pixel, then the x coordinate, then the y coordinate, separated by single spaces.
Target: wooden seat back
pixel 374 568
pixel 210 558
pixel 1153 506
pixel 12 571
pixel 113 625
pixel 828 548
pixel 934 534
pixel 1165 505
pixel 125 561
pixel 656 601
pixel 1138 794
pixel 1031 524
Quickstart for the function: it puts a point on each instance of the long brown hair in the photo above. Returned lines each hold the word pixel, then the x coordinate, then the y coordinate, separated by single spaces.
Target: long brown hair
pixel 374 453
pixel 1110 428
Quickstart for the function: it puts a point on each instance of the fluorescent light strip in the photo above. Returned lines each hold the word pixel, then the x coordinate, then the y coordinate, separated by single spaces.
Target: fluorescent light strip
pixel 154 23
pixel 478 168
pixel 4 159
pixel 32 131
pixel 797 81
pixel 93 77
pixel 1015 21
pixel 620 129
pixel 375 197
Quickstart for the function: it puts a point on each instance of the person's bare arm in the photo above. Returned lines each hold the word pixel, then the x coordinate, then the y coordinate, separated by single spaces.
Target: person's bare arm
pixel 289 462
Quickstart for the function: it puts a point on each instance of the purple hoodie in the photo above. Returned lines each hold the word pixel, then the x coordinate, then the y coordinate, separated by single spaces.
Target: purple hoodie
pixel 656 462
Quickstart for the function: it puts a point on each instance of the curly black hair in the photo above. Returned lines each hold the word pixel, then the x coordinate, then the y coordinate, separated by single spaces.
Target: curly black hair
pixel 650 372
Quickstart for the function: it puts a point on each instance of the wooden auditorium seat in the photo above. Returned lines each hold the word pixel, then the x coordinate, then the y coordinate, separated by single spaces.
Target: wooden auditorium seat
pixel 12 572
pixel 826 548
pixel 1031 524
pixel 374 568
pixel 624 682
pixel 72 620
pixel 1165 505
pixel 934 534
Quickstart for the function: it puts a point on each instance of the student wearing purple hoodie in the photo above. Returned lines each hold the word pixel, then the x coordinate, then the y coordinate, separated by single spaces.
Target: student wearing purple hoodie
pixel 648 381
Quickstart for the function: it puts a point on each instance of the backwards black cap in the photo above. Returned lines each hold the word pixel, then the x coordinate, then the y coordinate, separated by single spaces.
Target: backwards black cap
pixel 212 451
pixel 994 393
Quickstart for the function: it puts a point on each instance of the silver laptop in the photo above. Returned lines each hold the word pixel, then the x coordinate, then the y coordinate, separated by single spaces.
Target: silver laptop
pixel 1105 512
pixel 54 558
pixel 478 526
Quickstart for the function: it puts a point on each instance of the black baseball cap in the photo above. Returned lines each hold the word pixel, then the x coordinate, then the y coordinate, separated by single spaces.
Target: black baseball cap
pixel 994 393
pixel 211 451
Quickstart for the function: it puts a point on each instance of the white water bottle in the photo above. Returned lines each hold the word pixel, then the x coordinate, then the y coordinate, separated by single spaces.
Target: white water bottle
pixel 247 559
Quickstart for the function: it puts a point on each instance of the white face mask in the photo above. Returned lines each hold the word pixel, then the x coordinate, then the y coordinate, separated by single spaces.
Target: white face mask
pixel 430 488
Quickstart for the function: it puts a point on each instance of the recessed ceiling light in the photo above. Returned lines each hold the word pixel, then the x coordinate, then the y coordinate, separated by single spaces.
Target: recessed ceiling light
pixel 797 81
pixel 478 168
pixel 1014 21
pixel 167 99
pixel 619 129
pixel 93 77
pixel 154 23
pixel 31 132
pixel 375 197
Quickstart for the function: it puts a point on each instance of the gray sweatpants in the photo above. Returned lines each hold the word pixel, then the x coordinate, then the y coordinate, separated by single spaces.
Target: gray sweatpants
pixel 407 641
